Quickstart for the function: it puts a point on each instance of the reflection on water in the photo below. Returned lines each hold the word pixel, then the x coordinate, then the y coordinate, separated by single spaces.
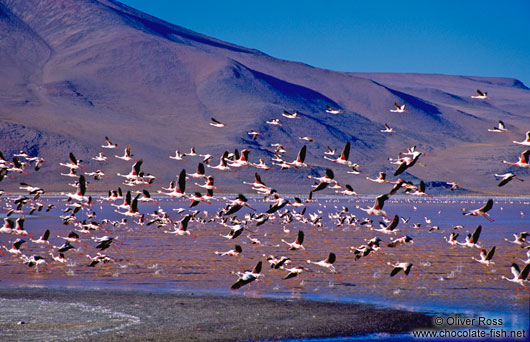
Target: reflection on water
pixel 444 278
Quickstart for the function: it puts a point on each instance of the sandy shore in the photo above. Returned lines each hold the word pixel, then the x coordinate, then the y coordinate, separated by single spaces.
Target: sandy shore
pixel 103 315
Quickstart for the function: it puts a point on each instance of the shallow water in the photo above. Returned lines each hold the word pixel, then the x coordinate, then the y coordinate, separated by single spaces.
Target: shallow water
pixel 444 279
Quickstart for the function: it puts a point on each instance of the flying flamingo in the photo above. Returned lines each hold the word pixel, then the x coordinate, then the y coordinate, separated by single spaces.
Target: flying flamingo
pixel 507 177
pixel 525 142
pixel 481 95
pixel 523 160
pixel 399 109
pixel 483 211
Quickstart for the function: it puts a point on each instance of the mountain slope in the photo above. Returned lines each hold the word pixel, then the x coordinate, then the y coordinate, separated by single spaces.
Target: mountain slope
pixel 74 71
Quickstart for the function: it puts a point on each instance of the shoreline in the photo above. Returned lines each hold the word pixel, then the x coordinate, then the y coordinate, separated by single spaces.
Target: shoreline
pixel 141 315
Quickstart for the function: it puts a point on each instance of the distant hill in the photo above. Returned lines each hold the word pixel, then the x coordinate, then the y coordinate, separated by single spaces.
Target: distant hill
pixel 75 71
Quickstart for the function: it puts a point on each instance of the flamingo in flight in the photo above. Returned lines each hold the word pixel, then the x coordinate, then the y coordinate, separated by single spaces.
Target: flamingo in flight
pixel 343 159
pixel 377 208
pixel 501 128
pixel 388 129
pixel 485 256
pixel 127 156
pixel 277 263
pixel 254 134
pixel 407 162
pixel 324 181
pixel 247 277
pixel 298 243
pixel 525 142
pixel 178 155
pixel 327 263
pixel 518 276
pixel 481 95
pixel 483 211
pixel 109 144
pixel 399 109
pixel 216 123
pixel 405 266
pixel 288 115
pixel 233 252
pixel 331 110
pixel 507 177
pixel 523 160
pixel 472 239
pixel 100 157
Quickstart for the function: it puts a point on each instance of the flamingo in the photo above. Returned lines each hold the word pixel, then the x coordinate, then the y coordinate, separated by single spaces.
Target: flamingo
pixel 523 160
pixel 405 266
pixel 100 157
pixel 296 244
pixel 381 179
pixel 127 156
pixel 233 252
pixel 343 159
pixel 391 228
pixel 501 128
pixel 401 241
pixel 80 194
pixel 236 205
pixel 472 239
pixel 15 248
pixel 519 239
pixel 331 110
pixel 420 191
pixel 223 165
pixel 388 129
pixel 200 173
pixel 293 272
pixel 43 239
pixel 518 276
pixel 399 109
pixel 407 162
pixel 277 263
pixel 242 160
pixel 180 191
pixel 258 184
pixel 485 257
pixel 254 134
pixel 453 185
pixel 507 177
pixel 183 227
pixel 288 115
pixel 109 144
pixel 299 162
pixel 34 260
pixel 327 263
pixel 377 208
pixel 247 277
pixel 275 122
pixel 216 123
pixel 525 142
pixel 348 191
pixel 324 181
pixel 481 95
pixel 330 151
pixel 261 165
pixel 483 211
pixel 73 163
pixel 178 155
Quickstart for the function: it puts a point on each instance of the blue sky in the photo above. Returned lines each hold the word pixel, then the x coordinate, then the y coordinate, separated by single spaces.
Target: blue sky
pixel 478 38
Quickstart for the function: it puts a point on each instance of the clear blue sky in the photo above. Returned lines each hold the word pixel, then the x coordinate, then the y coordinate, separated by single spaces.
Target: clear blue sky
pixel 478 38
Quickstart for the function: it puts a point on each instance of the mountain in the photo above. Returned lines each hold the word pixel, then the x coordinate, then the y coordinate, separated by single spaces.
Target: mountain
pixel 75 71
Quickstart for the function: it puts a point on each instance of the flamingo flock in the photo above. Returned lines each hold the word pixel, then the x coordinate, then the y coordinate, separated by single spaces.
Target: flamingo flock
pixel 85 237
